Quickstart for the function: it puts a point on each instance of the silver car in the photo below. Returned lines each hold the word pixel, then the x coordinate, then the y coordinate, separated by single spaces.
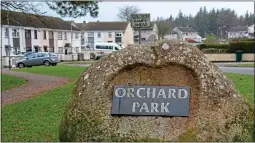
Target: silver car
pixel 37 59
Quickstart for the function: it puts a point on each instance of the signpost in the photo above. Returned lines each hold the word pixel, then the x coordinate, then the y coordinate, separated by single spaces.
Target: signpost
pixel 140 21
pixel 151 100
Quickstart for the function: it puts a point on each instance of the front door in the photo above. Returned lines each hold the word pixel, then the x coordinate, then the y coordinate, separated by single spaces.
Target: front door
pixel 45 48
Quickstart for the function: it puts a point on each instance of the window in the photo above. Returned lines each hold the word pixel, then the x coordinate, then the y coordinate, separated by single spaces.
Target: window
pixel 116 48
pixel 90 34
pixel 109 34
pixel 77 49
pixel 35 33
pixel 52 54
pixel 60 50
pixel 104 47
pixel 15 33
pixel 28 33
pixel 40 55
pixel 50 35
pixel 76 35
pixel 44 34
pixel 98 35
pixel 31 56
pixel 6 32
pixel 117 34
pixel 65 36
pixel 59 35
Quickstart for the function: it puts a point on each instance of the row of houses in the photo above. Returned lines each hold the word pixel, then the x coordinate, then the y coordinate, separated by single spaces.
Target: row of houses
pixel 241 32
pixel 27 32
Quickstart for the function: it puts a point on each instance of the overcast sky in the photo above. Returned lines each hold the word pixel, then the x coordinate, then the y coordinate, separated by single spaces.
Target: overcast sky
pixel 109 10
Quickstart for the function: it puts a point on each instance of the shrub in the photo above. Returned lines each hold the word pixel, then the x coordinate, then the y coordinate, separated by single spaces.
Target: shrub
pixel 210 38
pixel 214 46
pixel 245 46
pixel 246 39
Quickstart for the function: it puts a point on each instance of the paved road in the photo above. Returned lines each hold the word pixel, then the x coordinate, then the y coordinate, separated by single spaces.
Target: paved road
pixel 241 70
pixel 36 85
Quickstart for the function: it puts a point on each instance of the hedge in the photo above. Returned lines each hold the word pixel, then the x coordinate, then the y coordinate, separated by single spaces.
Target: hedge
pixel 232 47
pixel 214 46
pixel 245 46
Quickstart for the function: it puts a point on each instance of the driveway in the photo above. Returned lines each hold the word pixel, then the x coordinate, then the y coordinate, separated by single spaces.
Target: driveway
pixel 36 85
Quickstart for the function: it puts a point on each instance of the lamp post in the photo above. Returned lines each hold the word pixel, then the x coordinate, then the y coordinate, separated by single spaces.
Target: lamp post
pixel 224 27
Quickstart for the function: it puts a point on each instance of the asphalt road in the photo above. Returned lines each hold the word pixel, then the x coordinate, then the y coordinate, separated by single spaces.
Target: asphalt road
pixel 241 70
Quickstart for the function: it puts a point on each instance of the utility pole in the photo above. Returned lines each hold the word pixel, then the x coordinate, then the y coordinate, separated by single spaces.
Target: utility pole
pixel 139 35
pixel 71 36
pixel 9 47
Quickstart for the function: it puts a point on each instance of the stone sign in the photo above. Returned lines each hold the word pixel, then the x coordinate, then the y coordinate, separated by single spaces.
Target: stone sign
pixel 140 20
pixel 151 100
pixel 205 106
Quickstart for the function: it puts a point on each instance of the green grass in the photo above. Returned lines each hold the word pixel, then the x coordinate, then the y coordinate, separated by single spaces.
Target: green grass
pixel 241 65
pixel 9 81
pixel 59 70
pixel 79 62
pixel 38 119
pixel 244 84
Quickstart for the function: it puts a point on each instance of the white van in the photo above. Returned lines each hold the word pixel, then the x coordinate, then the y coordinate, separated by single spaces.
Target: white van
pixel 106 47
pixel 102 49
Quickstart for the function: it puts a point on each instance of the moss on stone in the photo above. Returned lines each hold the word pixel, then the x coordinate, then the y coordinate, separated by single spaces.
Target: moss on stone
pixel 188 136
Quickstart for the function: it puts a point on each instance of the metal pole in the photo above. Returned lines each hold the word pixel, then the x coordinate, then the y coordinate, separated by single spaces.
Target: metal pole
pixel 71 36
pixel 9 47
pixel 139 35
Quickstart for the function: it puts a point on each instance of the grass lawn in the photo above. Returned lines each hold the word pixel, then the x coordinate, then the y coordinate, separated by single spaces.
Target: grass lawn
pixel 241 65
pixel 9 81
pixel 79 62
pixel 38 119
pixel 244 84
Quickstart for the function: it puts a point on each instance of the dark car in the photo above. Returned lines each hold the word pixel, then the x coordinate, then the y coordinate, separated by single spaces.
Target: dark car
pixel 37 59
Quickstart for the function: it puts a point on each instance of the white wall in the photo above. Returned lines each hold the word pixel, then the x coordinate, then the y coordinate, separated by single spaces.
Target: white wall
pixel 76 42
pixel 251 29
pixel 238 34
pixel 35 42
pixel 5 40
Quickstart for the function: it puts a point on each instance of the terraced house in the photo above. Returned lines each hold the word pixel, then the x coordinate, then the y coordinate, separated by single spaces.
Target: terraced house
pixel 28 32
pixel 105 32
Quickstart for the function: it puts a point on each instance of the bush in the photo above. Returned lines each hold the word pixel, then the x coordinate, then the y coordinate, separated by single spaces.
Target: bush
pixel 213 50
pixel 214 46
pixel 246 39
pixel 245 46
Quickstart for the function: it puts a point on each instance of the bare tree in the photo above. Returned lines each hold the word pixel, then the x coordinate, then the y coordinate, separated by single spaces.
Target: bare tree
pixel 63 8
pixel 163 27
pixel 126 11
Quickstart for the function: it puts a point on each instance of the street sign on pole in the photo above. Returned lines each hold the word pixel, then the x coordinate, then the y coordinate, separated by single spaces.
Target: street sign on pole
pixel 140 21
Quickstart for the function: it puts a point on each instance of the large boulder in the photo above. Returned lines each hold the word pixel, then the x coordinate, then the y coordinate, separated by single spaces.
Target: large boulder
pixel 217 111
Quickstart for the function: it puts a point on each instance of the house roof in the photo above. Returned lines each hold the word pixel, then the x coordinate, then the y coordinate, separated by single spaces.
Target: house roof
pixel 94 26
pixel 32 20
pixel 238 28
pixel 186 29
pixel 148 28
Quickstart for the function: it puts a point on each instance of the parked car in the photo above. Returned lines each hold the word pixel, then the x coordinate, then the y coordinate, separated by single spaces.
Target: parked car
pixel 38 59
pixel 25 54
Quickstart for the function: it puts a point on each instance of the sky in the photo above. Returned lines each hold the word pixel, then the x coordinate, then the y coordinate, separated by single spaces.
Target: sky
pixel 109 10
